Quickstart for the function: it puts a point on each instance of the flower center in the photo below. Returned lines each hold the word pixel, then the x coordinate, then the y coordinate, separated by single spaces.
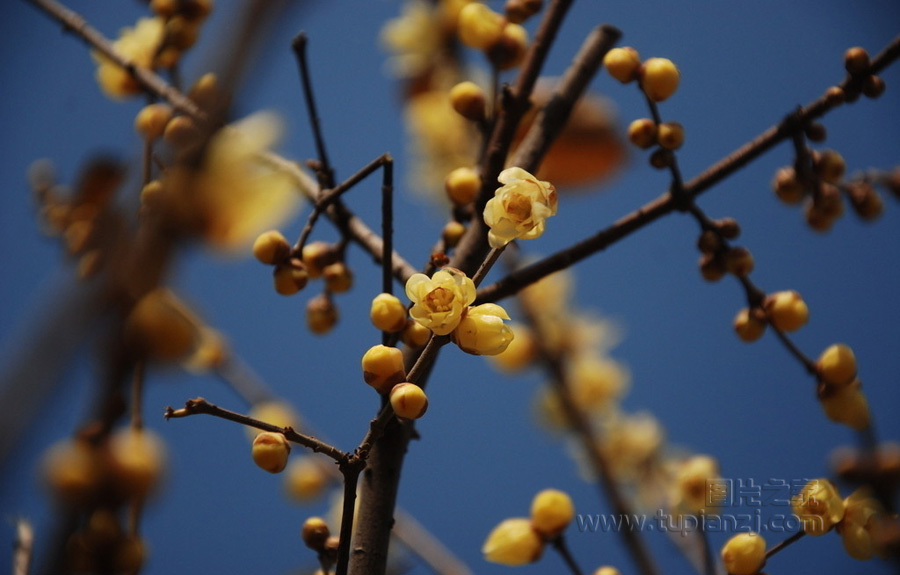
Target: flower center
pixel 519 206
pixel 439 299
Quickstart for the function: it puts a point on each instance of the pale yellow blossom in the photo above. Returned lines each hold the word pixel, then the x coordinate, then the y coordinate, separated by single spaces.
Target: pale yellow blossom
pixel 862 515
pixel 513 542
pixel 819 506
pixel 139 46
pixel 482 331
pixel 520 208
pixel 439 301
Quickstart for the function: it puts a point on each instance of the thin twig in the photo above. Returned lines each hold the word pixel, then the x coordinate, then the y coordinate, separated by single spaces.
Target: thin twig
pixel 200 405
pixel 325 170
pixel 783 544
pixel 709 560
pixel 387 234
pixel 559 544
pixel 348 511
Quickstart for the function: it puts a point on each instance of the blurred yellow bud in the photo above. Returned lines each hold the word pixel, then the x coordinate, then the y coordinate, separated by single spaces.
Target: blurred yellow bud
pixel 551 512
pixel 819 506
pixel 744 554
pixel 659 78
pixel 513 542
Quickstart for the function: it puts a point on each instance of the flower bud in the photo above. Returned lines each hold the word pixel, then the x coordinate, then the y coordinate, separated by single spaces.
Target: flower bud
pixel 659 78
pixel 315 533
pixel 728 227
pixel 479 26
pixel 415 334
pixel 462 186
pixel 305 479
pixel 622 64
pixel 642 133
pixel 750 324
pixel 513 542
pixel 846 405
pixel 830 166
pixel 815 132
pixel 660 159
pixel 709 242
pixel 712 267
pixel 151 121
pixel 388 313
pixel 519 353
pixel 138 461
pixel 607 570
pixel 181 132
pixel 317 256
pixel 517 11
pixel 873 86
pixel 73 471
pixel 270 451
pixel 739 262
pixel 383 367
pixel 408 400
pixel 290 277
pixel 129 554
pixel 321 314
pixel 859 527
pixel 744 554
pixel 509 51
pixel 865 201
pixel 467 99
pixel 338 277
pixel 819 506
pixel 162 327
pixel 670 135
pixel 786 310
pixel 205 91
pixel 693 482
pixel 271 247
pixel 787 187
pixel 482 331
pixel 451 234
pixel 837 365
pixel 856 61
pixel 551 512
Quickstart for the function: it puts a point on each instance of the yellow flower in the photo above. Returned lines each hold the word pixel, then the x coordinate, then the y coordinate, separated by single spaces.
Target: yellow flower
pixel 439 302
pixel 861 519
pixel 744 554
pixel 819 506
pixel 551 512
pixel 139 45
pixel 482 331
pixel 694 482
pixel 520 208
pixel 513 542
pixel 233 197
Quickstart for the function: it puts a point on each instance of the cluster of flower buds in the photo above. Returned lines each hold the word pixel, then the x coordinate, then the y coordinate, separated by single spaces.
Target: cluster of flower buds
pixel 859 66
pixel 383 369
pixel 658 79
pixel 317 536
pixel 97 477
pixel 183 20
pixel 521 540
pixel 717 257
pixel 503 41
pixel 839 389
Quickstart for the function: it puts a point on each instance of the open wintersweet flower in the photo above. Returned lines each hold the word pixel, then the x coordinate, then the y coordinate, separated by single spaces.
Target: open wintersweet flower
pixel 439 301
pixel 139 45
pixel 520 208
pixel 482 331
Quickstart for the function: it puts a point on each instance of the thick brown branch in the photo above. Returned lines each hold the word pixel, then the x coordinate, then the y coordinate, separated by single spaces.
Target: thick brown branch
pixel 200 405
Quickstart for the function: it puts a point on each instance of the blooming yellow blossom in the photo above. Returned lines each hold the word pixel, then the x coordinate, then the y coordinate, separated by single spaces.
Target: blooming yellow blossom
pixel 233 197
pixel 861 519
pixel 819 506
pixel 482 331
pixel 513 542
pixel 439 301
pixel 139 46
pixel 520 208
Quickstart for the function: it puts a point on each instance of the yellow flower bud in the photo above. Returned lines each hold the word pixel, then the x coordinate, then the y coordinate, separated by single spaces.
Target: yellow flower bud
pixel 693 482
pixel 607 570
pixel 519 353
pixel 750 324
pixel 388 313
pixel 408 400
pixel 712 267
pixel 315 533
pixel 837 365
pixel 482 331
pixel 846 405
pixel 551 512
pixel 520 208
pixel 151 121
pixel 787 187
pixel 270 451
pixel 317 256
pixel 509 50
pixel 858 529
pixel 205 91
pixel 138 461
pixel 305 479
pixel 73 471
pixel 383 367
pixel 467 99
pixel 659 78
pixel 290 277
pixel 830 166
pixel 439 302
pixel 518 11
pixel 415 334
pixel 670 135
pixel 181 132
pixel 321 314
pixel 271 247
pixel 744 554
pixel 338 277
pixel 739 262
pixel 856 61
pixel 479 26
pixel 786 310
pixel 819 506
pixel 513 542
pixel 462 186
pixel 642 133
pixel 274 412
pixel 622 63
pixel 451 234
pixel 597 381
pixel 162 327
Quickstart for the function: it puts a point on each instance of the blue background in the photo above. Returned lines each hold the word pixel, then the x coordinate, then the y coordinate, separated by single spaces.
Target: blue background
pixel 481 458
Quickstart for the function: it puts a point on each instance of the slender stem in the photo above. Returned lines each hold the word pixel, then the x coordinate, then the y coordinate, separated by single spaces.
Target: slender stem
pixel 348 511
pixel 795 351
pixel 200 405
pixel 387 235
pixel 327 173
pixel 487 264
pixel 709 561
pixel 559 544
pixel 778 547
